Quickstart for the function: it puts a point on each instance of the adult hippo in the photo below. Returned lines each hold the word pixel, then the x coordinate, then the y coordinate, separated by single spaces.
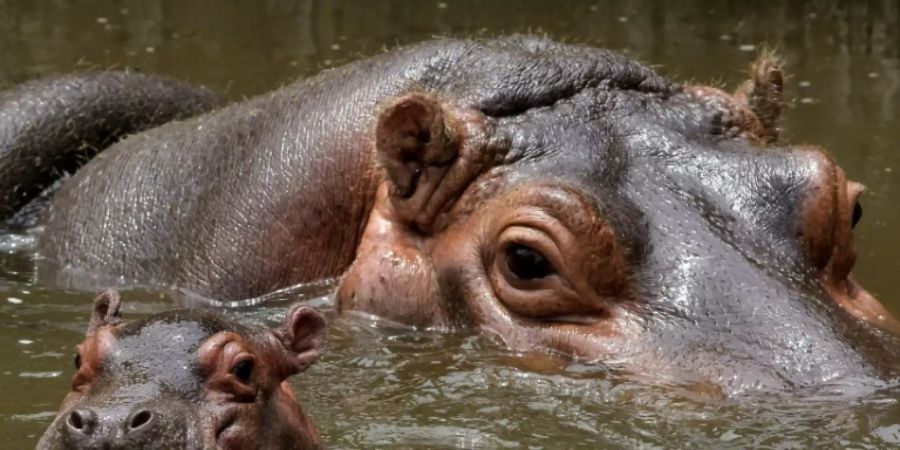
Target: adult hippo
pixel 559 197
pixel 187 379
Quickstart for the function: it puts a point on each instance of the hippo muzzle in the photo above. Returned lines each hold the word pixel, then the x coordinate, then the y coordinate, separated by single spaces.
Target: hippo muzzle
pixel 143 426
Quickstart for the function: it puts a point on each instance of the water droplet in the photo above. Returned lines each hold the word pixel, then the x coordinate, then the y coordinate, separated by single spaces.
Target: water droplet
pixel 14 300
pixel 889 434
pixel 39 374
pixel 729 436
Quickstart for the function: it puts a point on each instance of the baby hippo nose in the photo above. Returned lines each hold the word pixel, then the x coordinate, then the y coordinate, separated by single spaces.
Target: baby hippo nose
pixel 141 420
pixel 87 429
pixel 81 422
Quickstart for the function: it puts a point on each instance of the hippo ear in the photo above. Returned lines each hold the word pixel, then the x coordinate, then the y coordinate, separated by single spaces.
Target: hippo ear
pixel 411 134
pixel 430 152
pixel 303 336
pixel 106 311
pixel 764 94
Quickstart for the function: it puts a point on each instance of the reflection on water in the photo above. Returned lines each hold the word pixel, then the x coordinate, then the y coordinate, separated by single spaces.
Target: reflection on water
pixel 384 387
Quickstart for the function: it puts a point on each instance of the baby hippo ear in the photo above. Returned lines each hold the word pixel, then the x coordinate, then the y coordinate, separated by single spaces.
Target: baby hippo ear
pixel 303 336
pixel 106 311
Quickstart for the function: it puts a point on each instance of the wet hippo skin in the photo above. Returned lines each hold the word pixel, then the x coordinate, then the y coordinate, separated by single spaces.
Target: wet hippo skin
pixel 562 198
pixel 187 379
pixel 56 124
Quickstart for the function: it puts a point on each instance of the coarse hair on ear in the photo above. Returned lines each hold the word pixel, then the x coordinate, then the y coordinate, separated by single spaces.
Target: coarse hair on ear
pixel 302 335
pixel 763 93
pixel 430 151
pixel 411 134
pixel 106 310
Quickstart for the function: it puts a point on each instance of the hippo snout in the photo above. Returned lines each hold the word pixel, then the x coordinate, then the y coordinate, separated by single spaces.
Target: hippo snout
pixel 140 427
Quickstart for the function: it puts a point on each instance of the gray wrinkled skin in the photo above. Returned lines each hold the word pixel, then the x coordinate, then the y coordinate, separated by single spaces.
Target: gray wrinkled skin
pixel 54 125
pixel 236 203
pixel 277 190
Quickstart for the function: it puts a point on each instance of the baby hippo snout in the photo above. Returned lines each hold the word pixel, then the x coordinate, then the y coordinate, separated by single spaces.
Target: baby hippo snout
pixel 187 379
pixel 87 428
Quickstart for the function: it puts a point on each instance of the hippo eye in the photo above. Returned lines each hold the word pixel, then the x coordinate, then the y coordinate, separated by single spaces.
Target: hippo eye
pixel 243 370
pixel 527 263
pixel 857 214
pixel 77 361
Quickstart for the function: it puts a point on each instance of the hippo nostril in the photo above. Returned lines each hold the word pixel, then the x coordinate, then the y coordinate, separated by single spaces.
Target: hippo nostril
pixel 139 419
pixel 81 421
pixel 76 421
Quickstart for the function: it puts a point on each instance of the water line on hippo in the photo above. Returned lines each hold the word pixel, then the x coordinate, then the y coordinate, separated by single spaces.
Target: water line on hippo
pixel 318 293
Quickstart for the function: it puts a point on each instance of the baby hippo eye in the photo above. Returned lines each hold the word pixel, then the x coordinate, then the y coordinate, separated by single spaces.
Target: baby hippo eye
pixel 243 370
pixel 857 214
pixel 527 263
pixel 77 361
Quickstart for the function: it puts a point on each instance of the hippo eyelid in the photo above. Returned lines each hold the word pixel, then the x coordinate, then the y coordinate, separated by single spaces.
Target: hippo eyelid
pixel 578 319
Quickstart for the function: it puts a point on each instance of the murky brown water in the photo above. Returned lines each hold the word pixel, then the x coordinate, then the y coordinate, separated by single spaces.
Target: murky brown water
pixel 388 388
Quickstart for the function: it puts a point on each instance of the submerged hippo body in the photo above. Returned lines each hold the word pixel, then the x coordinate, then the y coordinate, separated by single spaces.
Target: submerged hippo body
pixel 187 379
pixel 53 125
pixel 560 197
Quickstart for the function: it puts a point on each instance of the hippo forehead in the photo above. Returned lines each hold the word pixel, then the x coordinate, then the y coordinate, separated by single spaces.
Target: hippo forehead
pixel 161 351
pixel 709 220
pixel 632 157
pixel 683 196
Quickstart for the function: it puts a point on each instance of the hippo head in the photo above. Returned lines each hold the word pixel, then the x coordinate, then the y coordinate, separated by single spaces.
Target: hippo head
pixel 626 219
pixel 187 379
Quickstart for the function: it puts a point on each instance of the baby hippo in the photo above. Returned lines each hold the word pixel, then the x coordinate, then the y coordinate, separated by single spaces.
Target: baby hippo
pixel 187 379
